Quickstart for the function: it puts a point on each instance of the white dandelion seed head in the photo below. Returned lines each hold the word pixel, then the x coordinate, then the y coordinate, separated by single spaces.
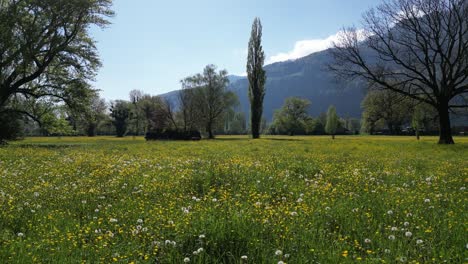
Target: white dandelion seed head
pixel 391 237
pixel 186 260
pixel 367 241
pixel 408 234
pixel 278 252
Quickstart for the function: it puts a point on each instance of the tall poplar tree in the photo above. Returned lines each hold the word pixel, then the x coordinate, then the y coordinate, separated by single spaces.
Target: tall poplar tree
pixel 332 121
pixel 256 76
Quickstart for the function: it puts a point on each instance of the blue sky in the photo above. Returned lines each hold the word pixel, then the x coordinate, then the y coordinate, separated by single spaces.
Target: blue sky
pixel 153 44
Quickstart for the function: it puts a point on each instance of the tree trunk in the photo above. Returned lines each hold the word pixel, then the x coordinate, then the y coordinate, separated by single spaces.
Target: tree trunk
pixel 417 134
pixel 256 118
pixel 210 131
pixel 445 130
pixel 333 136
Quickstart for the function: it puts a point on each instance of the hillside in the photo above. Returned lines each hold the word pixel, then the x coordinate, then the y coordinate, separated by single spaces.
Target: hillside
pixel 306 77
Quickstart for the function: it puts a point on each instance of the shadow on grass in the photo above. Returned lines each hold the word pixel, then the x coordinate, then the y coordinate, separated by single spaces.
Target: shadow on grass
pixel 46 145
pixel 263 138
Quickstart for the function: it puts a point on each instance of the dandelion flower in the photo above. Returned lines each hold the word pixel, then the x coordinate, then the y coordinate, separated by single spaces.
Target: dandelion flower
pixel 278 252
pixel 408 234
pixel 186 260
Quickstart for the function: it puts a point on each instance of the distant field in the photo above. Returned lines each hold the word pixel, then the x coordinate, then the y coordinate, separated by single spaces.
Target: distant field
pixel 234 200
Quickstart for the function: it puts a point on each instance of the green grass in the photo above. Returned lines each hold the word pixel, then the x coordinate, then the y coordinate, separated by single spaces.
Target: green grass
pixel 316 200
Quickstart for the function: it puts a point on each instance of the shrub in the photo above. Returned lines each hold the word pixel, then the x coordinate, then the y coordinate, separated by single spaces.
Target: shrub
pixel 170 134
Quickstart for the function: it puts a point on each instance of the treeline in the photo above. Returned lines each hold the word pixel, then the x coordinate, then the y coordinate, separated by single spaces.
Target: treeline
pixel 204 105
pixel 293 119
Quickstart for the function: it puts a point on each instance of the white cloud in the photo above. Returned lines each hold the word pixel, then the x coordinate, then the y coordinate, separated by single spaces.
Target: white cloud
pixel 306 47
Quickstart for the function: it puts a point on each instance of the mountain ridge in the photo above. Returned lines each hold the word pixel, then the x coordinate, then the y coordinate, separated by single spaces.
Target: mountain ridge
pixel 304 77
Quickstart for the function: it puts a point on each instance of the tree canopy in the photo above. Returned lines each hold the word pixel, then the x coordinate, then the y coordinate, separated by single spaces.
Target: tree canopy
pixel 46 51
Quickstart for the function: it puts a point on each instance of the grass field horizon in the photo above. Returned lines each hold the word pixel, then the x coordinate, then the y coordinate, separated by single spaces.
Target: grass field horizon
pixel 302 199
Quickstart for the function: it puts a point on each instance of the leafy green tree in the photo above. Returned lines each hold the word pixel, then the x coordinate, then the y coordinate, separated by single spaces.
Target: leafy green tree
pixel 11 126
pixel 422 118
pixel 256 76
pixel 45 50
pixel 135 97
pixel 332 121
pixel 186 96
pixel 389 107
pixel 120 113
pixel 238 124
pixel 353 125
pixel 211 99
pixel 94 115
pixel 291 118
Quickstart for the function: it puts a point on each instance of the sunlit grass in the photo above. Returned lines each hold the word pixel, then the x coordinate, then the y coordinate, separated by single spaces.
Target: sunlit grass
pixel 294 199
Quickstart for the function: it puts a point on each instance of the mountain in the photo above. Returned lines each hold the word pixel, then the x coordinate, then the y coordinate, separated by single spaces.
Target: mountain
pixel 306 77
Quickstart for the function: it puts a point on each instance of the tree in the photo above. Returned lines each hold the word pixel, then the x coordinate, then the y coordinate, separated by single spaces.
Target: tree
pixel 332 121
pixel 186 98
pixel 46 51
pixel 94 115
pixel 416 48
pixel 238 124
pixel 353 125
pixel 11 126
pixel 135 97
pixel 120 112
pixel 292 117
pixel 422 118
pixel 211 98
pixel 387 106
pixel 256 76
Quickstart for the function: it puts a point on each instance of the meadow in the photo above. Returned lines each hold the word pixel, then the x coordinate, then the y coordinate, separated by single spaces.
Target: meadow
pixel 234 200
